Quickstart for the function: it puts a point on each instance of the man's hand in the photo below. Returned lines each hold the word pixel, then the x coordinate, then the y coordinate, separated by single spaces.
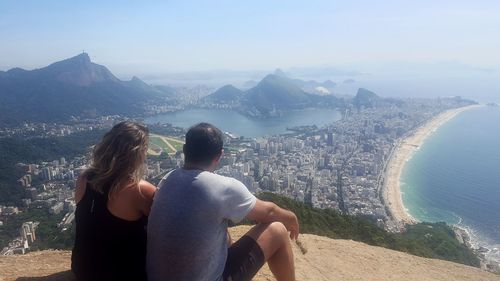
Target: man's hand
pixel 292 225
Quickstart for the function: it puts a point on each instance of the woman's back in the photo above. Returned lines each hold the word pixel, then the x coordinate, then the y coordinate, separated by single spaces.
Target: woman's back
pixel 107 247
pixel 112 205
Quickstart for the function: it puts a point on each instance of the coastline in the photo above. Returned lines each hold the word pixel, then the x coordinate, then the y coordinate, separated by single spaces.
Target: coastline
pixel 488 256
pixel 401 153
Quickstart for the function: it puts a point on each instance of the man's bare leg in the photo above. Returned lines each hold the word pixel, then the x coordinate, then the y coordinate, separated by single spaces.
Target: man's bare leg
pixel 274 241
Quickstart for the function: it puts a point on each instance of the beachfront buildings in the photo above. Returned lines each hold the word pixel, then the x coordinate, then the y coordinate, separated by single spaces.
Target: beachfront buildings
pixel 341 166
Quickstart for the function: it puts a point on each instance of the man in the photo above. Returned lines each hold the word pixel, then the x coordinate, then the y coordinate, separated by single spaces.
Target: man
pixel 187 228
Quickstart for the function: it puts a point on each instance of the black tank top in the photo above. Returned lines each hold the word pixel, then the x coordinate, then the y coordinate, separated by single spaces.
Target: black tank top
pixel 107 247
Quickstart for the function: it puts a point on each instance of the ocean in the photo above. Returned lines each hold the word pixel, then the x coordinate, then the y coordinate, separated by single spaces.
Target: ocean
pixel 455 177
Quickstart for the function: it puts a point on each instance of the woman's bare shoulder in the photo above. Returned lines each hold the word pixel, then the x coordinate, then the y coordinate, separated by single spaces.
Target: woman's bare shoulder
pixel 147 189
pixel 146 193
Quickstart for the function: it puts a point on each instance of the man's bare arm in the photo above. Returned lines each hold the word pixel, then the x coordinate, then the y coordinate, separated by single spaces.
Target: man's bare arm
pixel 229 239
pixel 266 212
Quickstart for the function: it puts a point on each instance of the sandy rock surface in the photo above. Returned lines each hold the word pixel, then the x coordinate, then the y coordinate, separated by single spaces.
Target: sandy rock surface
pixel 325 260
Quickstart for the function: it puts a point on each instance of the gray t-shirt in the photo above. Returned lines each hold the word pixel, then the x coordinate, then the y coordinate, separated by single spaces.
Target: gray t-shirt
pixel 187 228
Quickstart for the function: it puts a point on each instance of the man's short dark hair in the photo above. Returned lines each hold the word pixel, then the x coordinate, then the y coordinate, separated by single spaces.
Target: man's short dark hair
pixel 203 143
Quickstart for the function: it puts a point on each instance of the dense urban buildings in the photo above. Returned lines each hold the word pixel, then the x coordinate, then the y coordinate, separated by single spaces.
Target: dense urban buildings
pixel 340 166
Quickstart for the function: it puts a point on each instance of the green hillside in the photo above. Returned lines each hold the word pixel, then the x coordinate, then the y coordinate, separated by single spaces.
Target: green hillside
pixel 72 87
pixel 431 240
pixel 225 94
pixel 16 150
pixel 275 92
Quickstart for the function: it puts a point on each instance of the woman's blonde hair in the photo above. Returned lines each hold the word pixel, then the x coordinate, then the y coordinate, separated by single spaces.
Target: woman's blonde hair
pixel 119 158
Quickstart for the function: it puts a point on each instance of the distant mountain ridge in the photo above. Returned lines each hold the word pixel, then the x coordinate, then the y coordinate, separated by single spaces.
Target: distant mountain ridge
pixel 272 96
pixel 225 94
pixel 310 86
pixel 71 87
pixel 78 87
pixel 365 98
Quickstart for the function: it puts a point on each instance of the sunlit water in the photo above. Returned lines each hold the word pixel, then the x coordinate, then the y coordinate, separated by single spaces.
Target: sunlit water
pixel 455 177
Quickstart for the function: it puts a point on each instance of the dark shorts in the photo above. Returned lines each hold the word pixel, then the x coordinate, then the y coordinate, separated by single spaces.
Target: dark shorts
pixel 244 259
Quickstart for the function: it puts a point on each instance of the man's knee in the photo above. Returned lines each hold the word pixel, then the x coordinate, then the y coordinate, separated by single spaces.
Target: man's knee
pixel 274 233
pixel 277 229
pixel 270 237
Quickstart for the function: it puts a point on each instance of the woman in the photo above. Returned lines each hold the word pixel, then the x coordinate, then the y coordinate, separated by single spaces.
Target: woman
pixel 113 203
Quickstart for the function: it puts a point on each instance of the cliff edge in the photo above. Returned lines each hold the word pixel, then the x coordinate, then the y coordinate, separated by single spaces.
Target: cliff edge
pixel 317 258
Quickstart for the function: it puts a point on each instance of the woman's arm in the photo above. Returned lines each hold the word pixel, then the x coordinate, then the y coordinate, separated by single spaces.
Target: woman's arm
pixel 147 192
pixel 81 184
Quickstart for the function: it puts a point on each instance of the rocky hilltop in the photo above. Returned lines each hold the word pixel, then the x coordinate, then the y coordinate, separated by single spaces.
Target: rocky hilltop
pixel 71 87
pixel 316 258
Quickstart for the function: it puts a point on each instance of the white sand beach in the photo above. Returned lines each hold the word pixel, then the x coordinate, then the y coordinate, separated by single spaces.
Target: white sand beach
pixel 401 154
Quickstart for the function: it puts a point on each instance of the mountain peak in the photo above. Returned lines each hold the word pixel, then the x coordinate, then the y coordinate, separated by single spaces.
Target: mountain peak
pixel 83 57
pixel 275 93
pixel 364 93
pixel 365 98
pixel 230 87
pixel 138 81
pixel 225 94
pixel 72 87
pixel 278 80
pixel 16 70
pixel 80 60
pixel 79 70
pixel 280 72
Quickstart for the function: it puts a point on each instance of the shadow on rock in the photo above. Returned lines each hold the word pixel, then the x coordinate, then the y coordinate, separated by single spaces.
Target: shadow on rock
pixel 60 276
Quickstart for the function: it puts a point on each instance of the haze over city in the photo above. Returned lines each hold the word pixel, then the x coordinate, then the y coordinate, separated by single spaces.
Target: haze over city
pixel 396 48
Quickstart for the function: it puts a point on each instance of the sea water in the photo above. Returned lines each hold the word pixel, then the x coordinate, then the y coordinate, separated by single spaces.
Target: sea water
pixel 455 177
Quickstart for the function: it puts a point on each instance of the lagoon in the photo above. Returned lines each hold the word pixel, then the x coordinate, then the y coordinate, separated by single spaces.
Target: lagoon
pixel 234 122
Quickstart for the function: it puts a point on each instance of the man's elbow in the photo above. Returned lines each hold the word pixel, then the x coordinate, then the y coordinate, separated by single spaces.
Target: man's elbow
pixel 263 212
pixel 271 212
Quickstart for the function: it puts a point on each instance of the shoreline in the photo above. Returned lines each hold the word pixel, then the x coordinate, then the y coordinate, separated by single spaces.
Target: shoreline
pixel 489 257
pixel 392 195
pixel 401 153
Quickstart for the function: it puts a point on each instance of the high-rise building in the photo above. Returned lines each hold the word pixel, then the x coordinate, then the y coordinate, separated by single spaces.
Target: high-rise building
pixel 27 231
pixel 329 139
pixel 57 208
pixel 47 173
pixel 31 193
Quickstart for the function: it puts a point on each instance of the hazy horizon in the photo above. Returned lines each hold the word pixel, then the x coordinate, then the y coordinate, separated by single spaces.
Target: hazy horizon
pixel 402 48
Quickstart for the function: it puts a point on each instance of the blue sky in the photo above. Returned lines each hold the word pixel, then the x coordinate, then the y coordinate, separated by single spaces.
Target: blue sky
pixel 155 37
